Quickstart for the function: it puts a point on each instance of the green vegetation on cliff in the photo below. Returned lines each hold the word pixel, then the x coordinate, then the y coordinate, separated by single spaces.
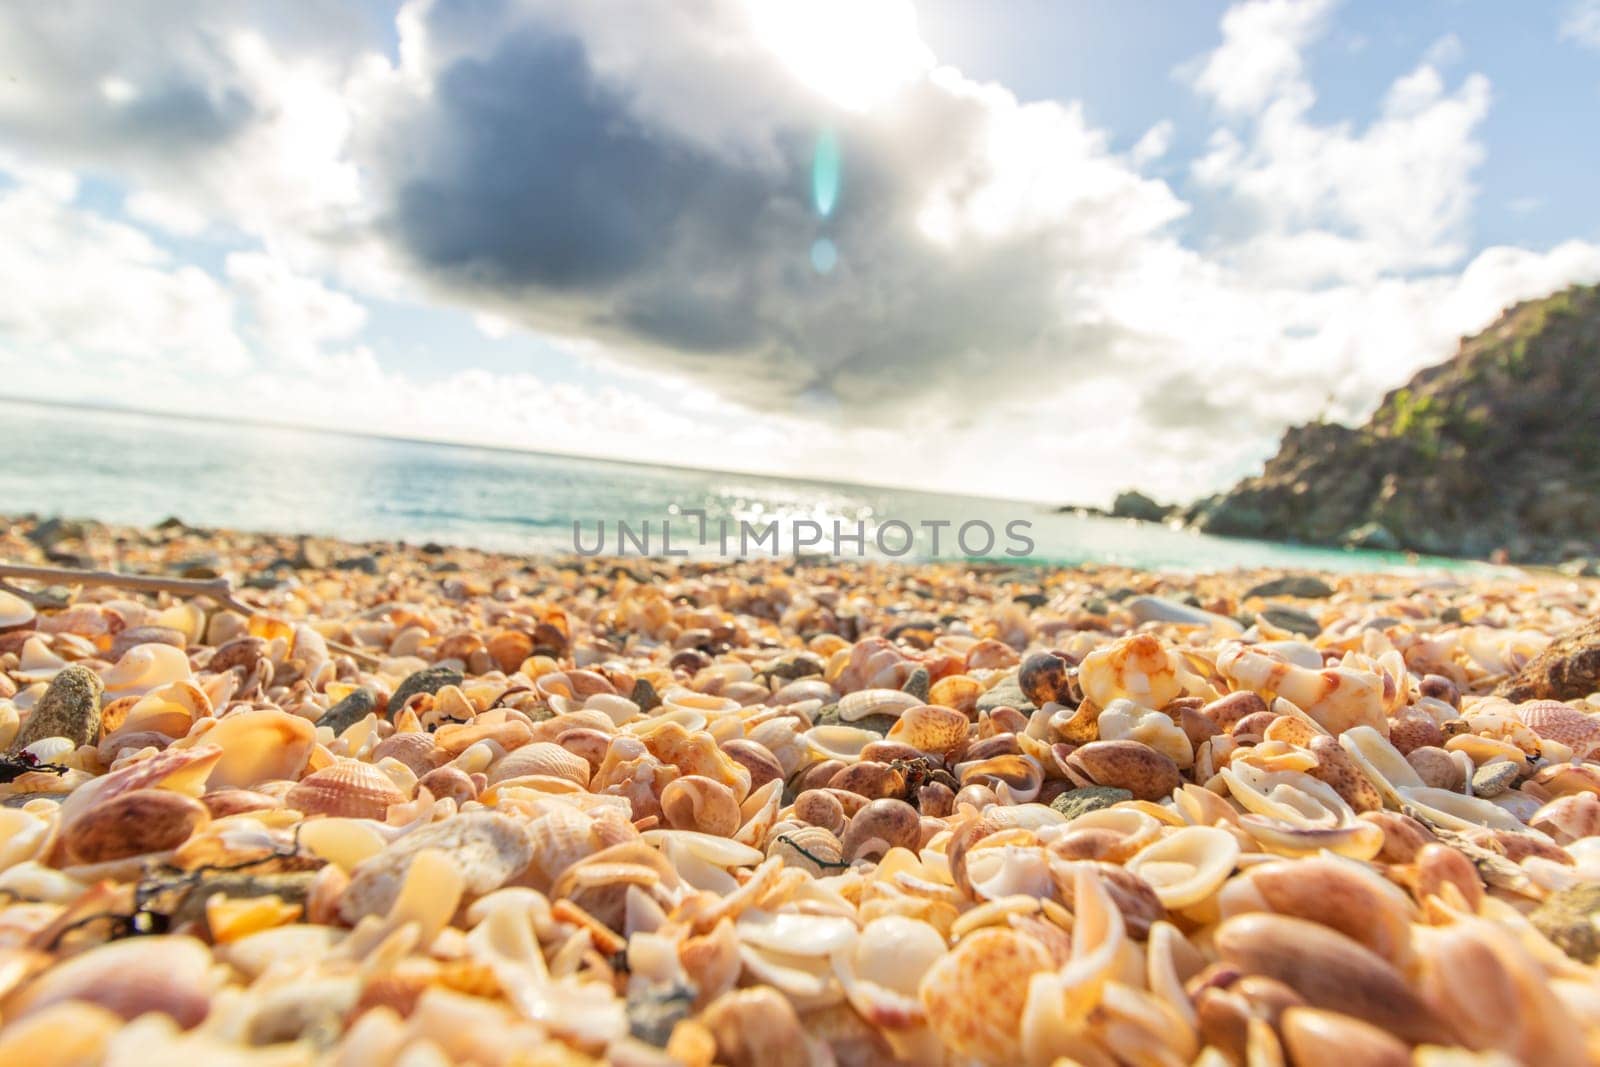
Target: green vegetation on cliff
pixel 1498 447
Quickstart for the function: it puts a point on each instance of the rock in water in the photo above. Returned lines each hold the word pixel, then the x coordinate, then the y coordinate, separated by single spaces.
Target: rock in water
pixel 349 711
pixel 70 708
pixel 1568 670
pixel 428 680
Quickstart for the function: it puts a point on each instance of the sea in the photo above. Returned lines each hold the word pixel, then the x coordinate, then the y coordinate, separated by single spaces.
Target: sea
pixel 135 468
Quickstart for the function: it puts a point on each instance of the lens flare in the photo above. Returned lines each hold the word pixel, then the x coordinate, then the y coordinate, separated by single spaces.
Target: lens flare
pixel 823 255
pixel 825 173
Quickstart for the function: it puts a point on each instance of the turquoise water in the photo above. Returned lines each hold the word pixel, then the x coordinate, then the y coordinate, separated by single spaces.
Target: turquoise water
pixel 139 469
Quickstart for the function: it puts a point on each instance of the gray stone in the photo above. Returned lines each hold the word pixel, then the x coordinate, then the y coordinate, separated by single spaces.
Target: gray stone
pixel 1076 802
pixel 1291 619
pixel 1005 693
pixel 70 708
pixel 349 711
pixel 427 680
pixel 1304 586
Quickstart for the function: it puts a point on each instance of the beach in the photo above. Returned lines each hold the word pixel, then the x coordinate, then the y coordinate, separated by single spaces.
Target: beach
pixel 326 802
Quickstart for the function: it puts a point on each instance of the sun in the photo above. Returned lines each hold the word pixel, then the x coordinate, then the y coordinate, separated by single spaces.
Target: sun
pixel 856 53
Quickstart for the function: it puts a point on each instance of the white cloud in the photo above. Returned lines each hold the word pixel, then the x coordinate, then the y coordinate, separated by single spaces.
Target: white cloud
pixel 1153 144
pixel 1582 23
pixel 1261 57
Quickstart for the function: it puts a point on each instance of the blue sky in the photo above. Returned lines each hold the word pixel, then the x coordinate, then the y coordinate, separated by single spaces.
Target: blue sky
pixel 1081 246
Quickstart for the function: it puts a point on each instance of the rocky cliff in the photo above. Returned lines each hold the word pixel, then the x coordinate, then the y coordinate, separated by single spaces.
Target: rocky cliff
pixel 1496 448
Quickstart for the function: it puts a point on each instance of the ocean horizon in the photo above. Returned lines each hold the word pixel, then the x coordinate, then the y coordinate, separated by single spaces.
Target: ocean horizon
pixel 125 466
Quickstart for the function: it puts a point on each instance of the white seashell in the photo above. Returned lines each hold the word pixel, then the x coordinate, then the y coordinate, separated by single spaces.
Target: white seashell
pixel 22 834
pixel 15 612
pixel 853 707
pixel 881 970
pixel 38 663
pixel 842 743
pixel 342 842
pixel 721 851
pixel 796 934
pixel 1380 761
pixel 1140 668
pixel 1125 720
pixel 1456 811
pixel 1008 871
pixel 808 981
pixel 1188 865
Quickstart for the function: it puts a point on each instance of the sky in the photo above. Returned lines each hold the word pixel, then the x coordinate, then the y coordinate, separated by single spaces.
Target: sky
pixel 1037 250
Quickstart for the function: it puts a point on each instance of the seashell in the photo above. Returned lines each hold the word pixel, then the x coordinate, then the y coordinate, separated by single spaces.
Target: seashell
pixel 167 709
pixel 1438 866
pixel 128 978
pixel 1138 668
pixel 1569 818
pixel 1411 729
pixel 257 745
pixel 843 743
pixel 180 770
pixel 349 789
pixel 487 848
pixel 146 667
pixel 755 1028
pixel 693 802
pixel 1188 865
pixel 933 729
pixel 1226 712
pixel 1331 972
pixel 1021 776
pixel 696 754
pixel 958 691
pixel 1564 779
pixel 880 826
pixel 814 849
pixel 881 972
pixel 1555 721
pixel 1044 678
pixel 1144 772
pixel 415 750
pixel 1455 811
pixel 854 707
pixel 15 612
pixel 1338 894
pixel 1316 1038
pixel 70 1032
pixel 1336 769
pixel 456 738
pixel 1403 836
pixel 1380 761
pixel 756 758
pixel 133 823
pixel 974 996
pixel 1126 721
pixel 540 757
pixel 1338 698
pixel 1437 768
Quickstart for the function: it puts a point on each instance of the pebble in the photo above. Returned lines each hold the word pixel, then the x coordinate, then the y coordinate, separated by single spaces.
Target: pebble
pixel 1076 802
pixel 428 680
pixel 917 685
pixel 1160 609
pixel 1495 778
pixel 1305 586
pixel 1007 693
pixel 349 711
pixel 70 708
pixel 1293 620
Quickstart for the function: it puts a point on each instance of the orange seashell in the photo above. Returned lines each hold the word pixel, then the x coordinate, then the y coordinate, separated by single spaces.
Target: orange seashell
pixel 349 788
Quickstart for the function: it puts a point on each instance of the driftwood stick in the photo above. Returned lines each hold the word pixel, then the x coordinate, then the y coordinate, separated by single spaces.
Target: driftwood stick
pixel 218 589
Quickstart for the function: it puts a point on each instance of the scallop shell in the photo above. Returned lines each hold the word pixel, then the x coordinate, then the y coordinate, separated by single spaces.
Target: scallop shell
pixel 813 849
pixel 540 757
pixel 1188 865
pixel 348 789
pixel 1561 722
pixel 414 749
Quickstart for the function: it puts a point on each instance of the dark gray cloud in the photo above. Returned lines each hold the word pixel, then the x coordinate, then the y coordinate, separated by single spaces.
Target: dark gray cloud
pixel 530 179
